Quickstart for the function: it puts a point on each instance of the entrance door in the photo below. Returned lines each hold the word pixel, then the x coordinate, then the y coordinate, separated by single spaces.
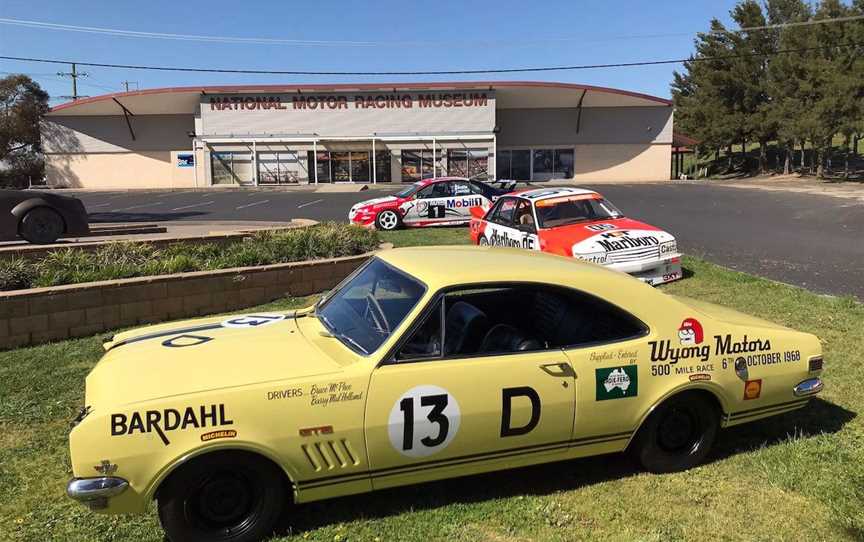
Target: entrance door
pixel 341 167
pixel 360 167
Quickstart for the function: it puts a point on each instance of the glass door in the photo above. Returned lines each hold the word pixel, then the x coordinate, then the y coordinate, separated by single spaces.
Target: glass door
pixel 360 168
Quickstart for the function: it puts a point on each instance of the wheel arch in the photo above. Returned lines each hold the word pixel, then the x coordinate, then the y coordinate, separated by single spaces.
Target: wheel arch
pixel 711 391
pixel 187 459
pixel 21 210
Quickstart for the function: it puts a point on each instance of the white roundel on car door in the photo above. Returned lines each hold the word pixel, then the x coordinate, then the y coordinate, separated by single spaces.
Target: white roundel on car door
pixel 423 421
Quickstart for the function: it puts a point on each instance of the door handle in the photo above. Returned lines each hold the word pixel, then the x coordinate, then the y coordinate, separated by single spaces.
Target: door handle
pixel 559 370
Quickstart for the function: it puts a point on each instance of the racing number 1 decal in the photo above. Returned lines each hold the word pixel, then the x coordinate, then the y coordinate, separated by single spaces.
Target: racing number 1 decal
pixel 423 421
pixel 436 211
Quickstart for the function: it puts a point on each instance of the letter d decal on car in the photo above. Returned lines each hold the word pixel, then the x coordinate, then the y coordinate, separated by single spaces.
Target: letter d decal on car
pixel 507 395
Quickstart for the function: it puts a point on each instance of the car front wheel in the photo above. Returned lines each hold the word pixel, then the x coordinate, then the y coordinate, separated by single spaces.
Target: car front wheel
pixel 678 435
pixel 236 497
pixel 388 220
pixel 41 226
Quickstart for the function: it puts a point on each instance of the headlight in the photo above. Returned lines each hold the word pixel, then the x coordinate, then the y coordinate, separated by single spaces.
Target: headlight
pixel 669 247
pixel 593 257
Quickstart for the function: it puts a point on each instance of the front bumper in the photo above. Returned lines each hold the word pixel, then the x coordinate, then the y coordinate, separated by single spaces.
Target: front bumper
pixel 653 272
pixel 95 492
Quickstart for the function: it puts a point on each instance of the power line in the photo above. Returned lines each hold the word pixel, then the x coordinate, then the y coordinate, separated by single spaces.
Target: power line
pixel 435 72
pixel 347 43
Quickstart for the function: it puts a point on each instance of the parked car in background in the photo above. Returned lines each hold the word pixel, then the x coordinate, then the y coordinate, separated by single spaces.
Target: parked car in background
pixel 582 224
pixel 40 217
pixel 442 201
pixel 425 363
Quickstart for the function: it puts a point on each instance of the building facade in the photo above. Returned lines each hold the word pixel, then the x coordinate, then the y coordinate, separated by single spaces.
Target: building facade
pixel 276 135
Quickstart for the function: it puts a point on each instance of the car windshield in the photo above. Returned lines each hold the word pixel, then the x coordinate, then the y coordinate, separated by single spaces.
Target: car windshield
pixel 366 309
pixel 570 210
pixel 407 191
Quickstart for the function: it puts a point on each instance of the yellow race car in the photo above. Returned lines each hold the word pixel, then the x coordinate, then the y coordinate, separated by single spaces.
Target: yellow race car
pixel 426 363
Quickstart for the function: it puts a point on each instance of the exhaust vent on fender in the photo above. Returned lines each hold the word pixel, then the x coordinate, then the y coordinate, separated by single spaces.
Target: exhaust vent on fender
pixel 330 455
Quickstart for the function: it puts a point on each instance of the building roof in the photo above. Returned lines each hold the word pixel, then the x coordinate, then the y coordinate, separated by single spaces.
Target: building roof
pixel 509 95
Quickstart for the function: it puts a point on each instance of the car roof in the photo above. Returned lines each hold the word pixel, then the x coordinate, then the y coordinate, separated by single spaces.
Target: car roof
pixel 467 265
pixel 539 194
pixel 426 182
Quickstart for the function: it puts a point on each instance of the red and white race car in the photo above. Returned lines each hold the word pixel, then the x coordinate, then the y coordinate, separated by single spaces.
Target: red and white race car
pixel 582 224
pixel 443 201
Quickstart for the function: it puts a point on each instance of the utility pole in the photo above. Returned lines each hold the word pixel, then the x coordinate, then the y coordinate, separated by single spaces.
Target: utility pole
pixel 127 83
pixel 74 75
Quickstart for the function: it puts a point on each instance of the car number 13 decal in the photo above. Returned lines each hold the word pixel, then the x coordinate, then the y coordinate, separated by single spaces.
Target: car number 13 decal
pixel 252 320
pixel 424 420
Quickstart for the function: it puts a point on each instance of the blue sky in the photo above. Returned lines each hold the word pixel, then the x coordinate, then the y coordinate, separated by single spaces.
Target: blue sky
pixel 407 35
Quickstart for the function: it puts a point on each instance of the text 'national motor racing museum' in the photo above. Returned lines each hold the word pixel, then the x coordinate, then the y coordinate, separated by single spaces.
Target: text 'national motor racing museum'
pixel 362 133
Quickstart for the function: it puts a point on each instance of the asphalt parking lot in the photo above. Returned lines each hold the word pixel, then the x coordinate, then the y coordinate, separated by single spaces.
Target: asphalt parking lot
pixel 809 240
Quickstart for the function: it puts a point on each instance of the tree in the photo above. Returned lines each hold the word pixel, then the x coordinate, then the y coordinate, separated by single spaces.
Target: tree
pixel 785 73
pixel 22 104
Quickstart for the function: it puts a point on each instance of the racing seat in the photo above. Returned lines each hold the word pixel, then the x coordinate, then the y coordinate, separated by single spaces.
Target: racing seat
pixel 506 338
pixel 555 320
pixel 464 328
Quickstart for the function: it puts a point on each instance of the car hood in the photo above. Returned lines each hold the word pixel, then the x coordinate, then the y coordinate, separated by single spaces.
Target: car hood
pixel 204 355
pixel 603 236
pixel 376 202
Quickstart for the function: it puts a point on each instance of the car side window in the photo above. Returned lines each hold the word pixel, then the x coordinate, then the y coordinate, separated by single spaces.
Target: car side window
pixel 504 212
pixel 441 190
pixel 477 188
pixel 524 216
pixel 513 318
pixel 425 192
pixel 426 339
pixel 461 188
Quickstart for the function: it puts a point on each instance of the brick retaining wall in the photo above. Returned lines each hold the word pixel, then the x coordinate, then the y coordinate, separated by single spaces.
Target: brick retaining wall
pixel 41 315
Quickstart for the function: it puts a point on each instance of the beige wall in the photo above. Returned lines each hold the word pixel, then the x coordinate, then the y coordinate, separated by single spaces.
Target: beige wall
pixel 118 170
pixel 623 163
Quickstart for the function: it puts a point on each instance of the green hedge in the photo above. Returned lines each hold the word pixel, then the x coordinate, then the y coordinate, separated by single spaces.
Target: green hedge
pixel 140 259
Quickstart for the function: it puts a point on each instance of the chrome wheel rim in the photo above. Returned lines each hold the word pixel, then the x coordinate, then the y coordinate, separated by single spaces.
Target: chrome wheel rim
pixel 388 220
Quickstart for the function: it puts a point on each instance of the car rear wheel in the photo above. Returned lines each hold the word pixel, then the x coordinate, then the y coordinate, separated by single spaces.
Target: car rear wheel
pixel 388 220
pixel 41 225
pixel 236 497
pixel 678 435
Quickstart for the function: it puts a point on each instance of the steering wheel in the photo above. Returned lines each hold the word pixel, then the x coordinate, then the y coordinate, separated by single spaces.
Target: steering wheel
pixel 381 319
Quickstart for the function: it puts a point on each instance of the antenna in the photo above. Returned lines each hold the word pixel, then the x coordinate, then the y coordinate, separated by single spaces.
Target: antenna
pixel 127 83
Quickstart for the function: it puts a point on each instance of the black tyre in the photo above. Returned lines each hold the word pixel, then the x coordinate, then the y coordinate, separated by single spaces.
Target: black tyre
pixel 236 497
pixel 41 226
pixel 678 435
pixel 388 220
pixel 483 242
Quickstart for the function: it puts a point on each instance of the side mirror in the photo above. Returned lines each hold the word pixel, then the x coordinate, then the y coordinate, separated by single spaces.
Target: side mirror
pixel 477 212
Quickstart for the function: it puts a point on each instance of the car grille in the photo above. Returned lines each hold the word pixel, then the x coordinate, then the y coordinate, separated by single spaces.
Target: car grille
pixel 635 254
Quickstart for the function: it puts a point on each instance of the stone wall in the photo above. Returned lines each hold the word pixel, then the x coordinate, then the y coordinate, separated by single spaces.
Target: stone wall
pixel 39 315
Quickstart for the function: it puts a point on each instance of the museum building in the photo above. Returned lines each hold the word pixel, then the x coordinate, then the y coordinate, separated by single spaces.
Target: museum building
pixel 357 133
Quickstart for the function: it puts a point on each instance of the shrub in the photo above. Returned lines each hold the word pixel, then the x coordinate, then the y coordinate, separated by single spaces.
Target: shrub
pixel 16 274
pixel 125 260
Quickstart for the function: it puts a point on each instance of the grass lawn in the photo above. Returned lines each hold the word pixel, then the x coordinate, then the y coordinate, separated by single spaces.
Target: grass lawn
pixel 795 477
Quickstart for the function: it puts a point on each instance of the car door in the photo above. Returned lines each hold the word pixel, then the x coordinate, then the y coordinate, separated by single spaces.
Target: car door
pixel 464 196
pixel 504 228
pixel 430 204
pixel 435 413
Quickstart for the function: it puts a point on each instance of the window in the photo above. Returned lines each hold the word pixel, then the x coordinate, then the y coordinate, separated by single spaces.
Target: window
pixel 323 166
pixel 461 188
pixel 418 164
pixel 472 163
pixel 520 165
pixel 563 165
pixel 543 164
pixel 512 318
pixel 367 308
pixel 231 168
pixel 504 211
pixel 524 217
pixel 382 166
pixel 572 209
pixel 280 168
pixel 435 190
